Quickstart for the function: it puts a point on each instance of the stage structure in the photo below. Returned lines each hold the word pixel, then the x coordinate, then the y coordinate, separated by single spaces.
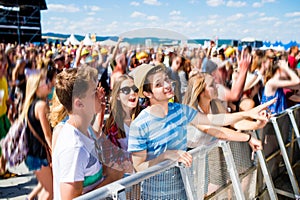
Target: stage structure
pixel 20 20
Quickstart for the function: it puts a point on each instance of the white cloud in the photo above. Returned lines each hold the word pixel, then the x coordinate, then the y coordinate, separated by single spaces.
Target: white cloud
pixel 268 19
pixel 138 24
pixel 257 4
pixel 94 8
pixel 211 22
pixel 262 14
pixel 213 16
pixel 261 4
pixel 91 8
pixel 235 17
pixel 152 18
pixel 91 13
pixel 176 18
pixel 215 3
pixel 62 8
pixel 175 12
pixel 277 24
pixel 59 20
pixel 236 4
pixel 246 31
pixel 251 14
pixel 114 24
pixel 293 14
pixel 295 22
pixel 136 14
pixel 134 3
pixel 152 2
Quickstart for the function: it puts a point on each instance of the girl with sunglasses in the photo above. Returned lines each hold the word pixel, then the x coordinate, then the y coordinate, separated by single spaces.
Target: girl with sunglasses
pixel 124 108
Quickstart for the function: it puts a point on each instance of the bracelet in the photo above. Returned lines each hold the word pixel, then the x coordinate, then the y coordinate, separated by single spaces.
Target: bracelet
pixel 250 136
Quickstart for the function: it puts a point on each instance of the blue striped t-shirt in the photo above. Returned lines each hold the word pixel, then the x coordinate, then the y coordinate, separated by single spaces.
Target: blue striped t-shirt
pixel 156 135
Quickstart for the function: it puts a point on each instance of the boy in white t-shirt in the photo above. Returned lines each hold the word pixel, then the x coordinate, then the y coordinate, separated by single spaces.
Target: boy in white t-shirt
pixel 76 167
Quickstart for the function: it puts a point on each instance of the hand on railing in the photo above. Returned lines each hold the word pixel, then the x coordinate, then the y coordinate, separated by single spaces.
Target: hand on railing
pixel 180 156
pixel 255 144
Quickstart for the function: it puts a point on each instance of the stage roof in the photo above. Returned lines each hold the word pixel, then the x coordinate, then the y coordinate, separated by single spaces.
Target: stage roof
pixel 20 3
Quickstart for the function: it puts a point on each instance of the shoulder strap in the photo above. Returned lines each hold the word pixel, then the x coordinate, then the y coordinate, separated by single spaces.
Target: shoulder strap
pixel 35 134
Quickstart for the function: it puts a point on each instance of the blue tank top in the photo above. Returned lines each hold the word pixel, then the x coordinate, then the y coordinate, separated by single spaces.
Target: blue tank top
pixel 280 105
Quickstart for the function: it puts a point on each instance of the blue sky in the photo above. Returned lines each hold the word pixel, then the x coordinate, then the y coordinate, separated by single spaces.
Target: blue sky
pixel 226 19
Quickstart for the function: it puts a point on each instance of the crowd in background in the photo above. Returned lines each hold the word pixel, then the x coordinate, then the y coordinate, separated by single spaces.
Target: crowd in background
pixel 37 82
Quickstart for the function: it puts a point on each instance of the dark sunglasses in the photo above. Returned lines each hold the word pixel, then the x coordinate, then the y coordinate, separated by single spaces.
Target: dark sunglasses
pixel 126 90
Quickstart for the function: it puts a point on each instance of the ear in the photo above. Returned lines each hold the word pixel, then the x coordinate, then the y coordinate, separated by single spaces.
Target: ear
pixel 148 94
pixel 77 103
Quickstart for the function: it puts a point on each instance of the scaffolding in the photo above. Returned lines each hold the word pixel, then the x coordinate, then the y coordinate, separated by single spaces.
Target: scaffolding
pixel 20 22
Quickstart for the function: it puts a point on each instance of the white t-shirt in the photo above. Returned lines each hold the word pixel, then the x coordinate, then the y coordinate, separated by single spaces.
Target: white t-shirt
pixel 75 159
pixel 196 138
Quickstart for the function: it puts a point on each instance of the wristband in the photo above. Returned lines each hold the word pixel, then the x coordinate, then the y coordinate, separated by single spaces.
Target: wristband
pixel 250 136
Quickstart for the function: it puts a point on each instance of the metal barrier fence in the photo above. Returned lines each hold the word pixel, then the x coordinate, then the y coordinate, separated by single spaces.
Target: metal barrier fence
pixel 225 170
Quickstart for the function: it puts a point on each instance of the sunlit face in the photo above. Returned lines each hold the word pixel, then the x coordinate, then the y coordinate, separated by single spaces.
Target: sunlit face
pixel 45 87
pixel 161 86
pixel 176 63
pixel 128 94
pixel 89 100
pixel 210 89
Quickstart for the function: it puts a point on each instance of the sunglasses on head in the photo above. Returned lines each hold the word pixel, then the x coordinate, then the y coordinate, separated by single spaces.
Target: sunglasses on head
pixel 126 90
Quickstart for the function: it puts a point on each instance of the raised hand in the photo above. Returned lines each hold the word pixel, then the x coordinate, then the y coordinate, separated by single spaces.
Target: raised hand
pixel 100 99
pixel 245 60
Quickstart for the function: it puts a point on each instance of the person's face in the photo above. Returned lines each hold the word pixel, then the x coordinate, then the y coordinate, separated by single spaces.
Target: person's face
pixel 161 87
pixel 176 63
pixel 210 89
pixel 128 94
pixel 45 87
pixel 295 50
pixel 59 64
pixel 90 100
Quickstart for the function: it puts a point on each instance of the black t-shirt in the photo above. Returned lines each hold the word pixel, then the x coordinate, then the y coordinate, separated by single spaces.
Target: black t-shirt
pixel 36 149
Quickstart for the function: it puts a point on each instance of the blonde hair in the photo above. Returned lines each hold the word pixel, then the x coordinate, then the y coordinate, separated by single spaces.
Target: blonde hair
pixel 32 85
pixel 271 70
pixel 196 85
pixel 57 111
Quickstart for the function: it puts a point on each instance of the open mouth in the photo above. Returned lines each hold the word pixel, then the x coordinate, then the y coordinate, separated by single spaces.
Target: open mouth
pixel 168 90
pixel 132 99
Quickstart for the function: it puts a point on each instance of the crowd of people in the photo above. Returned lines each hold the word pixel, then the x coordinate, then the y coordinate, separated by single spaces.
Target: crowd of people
pixel 106 112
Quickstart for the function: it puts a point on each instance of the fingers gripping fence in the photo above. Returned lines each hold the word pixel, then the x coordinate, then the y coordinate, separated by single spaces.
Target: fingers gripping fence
pixel 220 170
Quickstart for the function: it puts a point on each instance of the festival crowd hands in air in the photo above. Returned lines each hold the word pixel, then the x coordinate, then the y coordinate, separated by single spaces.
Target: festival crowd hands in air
pixel 115 84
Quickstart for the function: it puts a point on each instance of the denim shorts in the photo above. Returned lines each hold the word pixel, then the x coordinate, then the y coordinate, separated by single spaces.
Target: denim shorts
pixel 35 163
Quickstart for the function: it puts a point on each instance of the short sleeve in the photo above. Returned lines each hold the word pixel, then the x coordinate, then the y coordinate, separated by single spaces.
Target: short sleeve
pixel 73 162
pixel 137 138
pixel 189 112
